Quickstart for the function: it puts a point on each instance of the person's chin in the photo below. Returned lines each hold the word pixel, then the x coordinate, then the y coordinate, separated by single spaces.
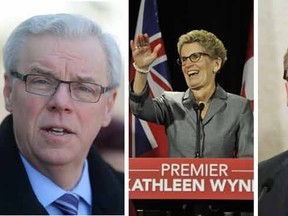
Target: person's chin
pixel 61 156
pixel 194 86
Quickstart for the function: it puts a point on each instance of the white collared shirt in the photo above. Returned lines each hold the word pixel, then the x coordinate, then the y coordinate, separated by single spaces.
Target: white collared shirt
pixel 47 191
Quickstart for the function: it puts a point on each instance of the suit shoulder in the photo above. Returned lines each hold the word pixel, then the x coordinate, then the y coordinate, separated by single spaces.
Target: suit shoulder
pixel 273 165
pixel 173 95
pixel 237 98
pixel 239 104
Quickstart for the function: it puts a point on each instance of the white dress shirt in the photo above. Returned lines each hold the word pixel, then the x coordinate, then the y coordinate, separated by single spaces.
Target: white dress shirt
pixel 47 191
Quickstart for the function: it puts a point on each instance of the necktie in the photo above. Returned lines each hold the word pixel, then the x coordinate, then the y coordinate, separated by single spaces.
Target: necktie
pixel 68 204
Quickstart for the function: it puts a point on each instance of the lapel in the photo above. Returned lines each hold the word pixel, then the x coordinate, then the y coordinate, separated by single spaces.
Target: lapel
pixel 188 100
pixel 17 196
pixel 107 186
pixel 218 101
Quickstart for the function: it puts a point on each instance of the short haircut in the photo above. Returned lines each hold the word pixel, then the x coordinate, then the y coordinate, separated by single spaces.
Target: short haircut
pixel 63 26
pixel 212 45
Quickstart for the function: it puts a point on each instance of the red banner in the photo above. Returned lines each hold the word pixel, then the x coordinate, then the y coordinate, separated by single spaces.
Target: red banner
pixel 183 178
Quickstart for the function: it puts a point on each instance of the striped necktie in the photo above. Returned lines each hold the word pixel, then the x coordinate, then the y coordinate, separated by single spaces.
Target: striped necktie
pixel 67 204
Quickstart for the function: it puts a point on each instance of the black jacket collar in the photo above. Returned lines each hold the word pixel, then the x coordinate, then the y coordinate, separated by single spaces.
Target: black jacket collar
pixel 17 196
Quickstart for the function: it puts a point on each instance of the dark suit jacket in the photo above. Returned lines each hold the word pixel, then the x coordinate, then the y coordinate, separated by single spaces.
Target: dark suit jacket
pixel 274 173
pixel 16 193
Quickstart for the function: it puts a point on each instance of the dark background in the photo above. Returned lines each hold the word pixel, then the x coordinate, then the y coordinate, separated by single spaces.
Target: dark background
pixel 228 19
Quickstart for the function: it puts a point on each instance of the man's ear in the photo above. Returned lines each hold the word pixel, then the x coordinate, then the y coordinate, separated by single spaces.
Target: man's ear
pixel 109 108
pixel 7 92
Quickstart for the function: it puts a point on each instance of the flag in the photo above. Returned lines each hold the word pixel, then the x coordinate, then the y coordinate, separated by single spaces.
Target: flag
pixel 248 71
pixel 148 139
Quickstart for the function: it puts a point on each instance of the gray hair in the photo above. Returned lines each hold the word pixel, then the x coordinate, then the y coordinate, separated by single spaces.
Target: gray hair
pixel 63 26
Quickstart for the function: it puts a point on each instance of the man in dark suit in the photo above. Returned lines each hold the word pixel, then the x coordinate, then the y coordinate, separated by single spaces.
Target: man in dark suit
pixel 61 77
pixel 273 185
pixel 273 175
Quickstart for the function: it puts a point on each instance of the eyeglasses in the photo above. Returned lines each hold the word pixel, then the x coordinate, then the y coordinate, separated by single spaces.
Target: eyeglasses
pixel 194 57
pixel 48 85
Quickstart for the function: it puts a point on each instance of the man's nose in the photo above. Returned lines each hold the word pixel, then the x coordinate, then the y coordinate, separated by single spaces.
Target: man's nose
pixel 61 99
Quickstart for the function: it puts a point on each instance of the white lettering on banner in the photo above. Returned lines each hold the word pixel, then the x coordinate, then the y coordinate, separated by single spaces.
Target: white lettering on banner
pixel 236 185
pixel 191 178
pixel 212 170
pixel 172 185
pixel 190 185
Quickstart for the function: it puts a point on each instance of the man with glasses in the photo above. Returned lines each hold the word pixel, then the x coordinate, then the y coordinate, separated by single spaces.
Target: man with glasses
pixel 61 77
pixel 272 175
pixel 226 120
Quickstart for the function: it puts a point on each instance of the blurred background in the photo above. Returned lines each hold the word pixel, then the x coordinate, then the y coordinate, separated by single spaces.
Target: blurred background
pixel 112 15
pixel 272 99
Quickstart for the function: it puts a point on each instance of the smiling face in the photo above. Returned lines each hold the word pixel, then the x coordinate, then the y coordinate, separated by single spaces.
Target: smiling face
pixel 58 130
pixel 200 74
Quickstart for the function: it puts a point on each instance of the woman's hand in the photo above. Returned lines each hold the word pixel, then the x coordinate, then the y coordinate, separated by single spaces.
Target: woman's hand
pixel 142 52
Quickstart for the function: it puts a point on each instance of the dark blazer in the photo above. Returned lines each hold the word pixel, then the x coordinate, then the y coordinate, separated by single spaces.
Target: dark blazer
pixel 274 174
pixel 16 193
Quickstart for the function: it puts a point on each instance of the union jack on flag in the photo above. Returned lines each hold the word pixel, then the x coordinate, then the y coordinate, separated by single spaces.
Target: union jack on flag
pixel 149 139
